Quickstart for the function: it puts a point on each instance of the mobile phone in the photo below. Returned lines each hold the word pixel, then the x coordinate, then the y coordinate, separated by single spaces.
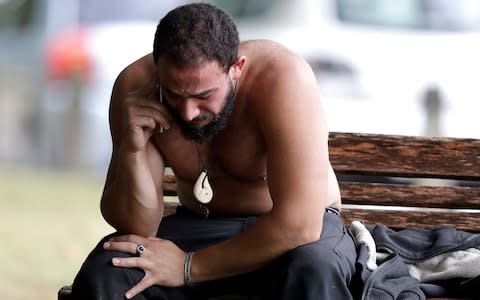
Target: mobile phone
pixel 160 92
pixel 160 98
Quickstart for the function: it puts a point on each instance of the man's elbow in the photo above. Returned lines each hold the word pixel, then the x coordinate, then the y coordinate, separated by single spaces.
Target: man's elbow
pixel 114 221
pixel 107 215
pixel 302 233
pixel 309 235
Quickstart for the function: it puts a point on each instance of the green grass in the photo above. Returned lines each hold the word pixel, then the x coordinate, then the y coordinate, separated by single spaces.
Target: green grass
pixel 49 222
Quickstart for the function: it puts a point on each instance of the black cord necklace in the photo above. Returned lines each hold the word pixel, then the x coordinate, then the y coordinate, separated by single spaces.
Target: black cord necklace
pixel 201 189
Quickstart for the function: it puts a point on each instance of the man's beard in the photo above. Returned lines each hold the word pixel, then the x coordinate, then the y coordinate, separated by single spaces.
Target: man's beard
pixel 207 132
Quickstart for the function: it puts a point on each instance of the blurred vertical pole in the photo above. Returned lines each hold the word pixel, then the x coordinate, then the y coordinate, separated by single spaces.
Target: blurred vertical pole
pixel 73 131
pixel 432 103
pixel 63 119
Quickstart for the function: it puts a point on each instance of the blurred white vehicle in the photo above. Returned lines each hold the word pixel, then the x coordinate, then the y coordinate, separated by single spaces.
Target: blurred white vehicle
pixel 378 61
pixel 375 61
pixel 89 43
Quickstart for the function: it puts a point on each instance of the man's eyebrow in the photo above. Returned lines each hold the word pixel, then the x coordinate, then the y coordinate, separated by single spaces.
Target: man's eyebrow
pixel 204 93
pixel 170 91
pixel 199 94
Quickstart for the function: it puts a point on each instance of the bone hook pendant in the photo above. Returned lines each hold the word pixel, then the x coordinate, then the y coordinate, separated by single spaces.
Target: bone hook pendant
pixel 202 189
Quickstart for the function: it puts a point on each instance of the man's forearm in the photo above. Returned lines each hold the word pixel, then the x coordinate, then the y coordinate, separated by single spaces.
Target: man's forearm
pixel 130 202
pixel 261 243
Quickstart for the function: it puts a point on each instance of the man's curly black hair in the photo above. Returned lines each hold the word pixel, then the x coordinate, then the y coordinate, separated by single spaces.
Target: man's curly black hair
pixel 196 33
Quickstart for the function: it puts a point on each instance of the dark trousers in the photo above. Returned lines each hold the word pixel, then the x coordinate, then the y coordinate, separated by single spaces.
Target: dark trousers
pixel 319 270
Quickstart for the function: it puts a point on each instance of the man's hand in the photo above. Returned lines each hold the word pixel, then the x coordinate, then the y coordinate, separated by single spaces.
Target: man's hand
pixel 143 113
pixel 162 261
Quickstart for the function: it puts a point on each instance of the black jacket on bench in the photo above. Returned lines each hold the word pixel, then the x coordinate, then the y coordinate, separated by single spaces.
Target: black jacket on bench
pixel 408 246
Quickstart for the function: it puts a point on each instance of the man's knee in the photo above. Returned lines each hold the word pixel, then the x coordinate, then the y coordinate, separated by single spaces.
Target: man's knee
pixel 311 271
pixel 313 260
pixel 99 261
pixel 98 276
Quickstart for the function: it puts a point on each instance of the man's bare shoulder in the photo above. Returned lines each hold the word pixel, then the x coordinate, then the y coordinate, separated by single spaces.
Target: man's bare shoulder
pixel 136 74
pixel 270 64
pixel 267 55
pixel 262 47
pixel 274 72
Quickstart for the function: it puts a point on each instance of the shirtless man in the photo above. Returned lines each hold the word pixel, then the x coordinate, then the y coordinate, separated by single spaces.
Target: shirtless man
pixel 245 121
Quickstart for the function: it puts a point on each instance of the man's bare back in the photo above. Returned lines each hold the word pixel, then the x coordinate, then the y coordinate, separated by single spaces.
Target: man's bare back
pixel 235 159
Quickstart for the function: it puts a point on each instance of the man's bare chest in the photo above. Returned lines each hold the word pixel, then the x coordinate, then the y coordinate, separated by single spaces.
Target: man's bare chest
pixel 238 156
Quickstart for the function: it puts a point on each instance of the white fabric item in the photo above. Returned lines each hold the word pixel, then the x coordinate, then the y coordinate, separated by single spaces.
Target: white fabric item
pixel 363 236
pixel 456 264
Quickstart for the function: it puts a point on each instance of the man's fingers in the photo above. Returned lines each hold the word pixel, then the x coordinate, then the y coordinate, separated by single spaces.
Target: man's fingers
pixel 161 117
pixel 129 262
pixel 127 238
pixel 143 122
pixel 139 287
pixel 145 108
pixel 127 247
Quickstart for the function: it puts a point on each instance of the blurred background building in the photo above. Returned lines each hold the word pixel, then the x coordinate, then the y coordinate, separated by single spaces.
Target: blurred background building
pixel 383 66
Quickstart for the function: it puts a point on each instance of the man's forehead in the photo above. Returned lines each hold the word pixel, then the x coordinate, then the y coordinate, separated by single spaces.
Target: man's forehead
pixel 164 63
pixel 192 78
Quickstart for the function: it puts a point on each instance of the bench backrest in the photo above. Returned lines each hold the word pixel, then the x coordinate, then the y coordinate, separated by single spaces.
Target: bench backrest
pixel 403 181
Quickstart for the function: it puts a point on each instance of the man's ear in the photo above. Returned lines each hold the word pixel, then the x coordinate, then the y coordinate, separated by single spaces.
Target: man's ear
pixel 237 67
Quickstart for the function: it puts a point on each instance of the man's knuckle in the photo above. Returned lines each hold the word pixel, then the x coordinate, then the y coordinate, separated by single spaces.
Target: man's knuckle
pixel 152 122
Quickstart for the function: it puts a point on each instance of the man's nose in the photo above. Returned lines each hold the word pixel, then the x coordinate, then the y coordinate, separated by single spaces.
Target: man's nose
pixel 189 110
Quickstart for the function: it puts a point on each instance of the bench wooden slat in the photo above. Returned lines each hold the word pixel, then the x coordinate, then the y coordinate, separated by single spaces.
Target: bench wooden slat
pixel 397 205
pixel 170 208
pixel 395 217
pixel 169 185
pixel 405 156
pixel 398 218
pixel 391 194
pixel 410 195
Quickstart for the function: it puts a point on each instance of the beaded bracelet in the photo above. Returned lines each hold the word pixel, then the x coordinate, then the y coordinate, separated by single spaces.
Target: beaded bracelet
pixel 186 269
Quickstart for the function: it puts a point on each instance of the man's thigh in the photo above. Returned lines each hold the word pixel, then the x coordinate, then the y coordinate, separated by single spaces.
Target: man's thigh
pixel 191 233
pixel 334 254
pixel 312 269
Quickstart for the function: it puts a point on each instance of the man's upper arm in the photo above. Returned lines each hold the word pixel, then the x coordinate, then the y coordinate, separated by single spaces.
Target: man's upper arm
pixel 294 128
pixel 129 80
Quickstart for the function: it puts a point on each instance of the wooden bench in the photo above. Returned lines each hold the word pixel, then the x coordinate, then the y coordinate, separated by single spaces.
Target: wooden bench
pixel 399 181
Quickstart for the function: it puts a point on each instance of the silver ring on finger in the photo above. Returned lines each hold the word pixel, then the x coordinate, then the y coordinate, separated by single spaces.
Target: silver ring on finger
pixel 139 250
